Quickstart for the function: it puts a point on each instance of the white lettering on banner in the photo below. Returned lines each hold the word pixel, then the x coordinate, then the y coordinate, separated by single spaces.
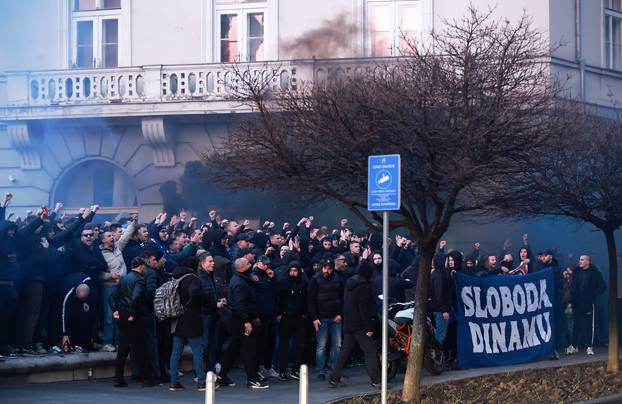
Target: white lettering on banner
pixel 506 301
pixel 498 337
pixel 467 299
pixel 503 301
pixel 476 337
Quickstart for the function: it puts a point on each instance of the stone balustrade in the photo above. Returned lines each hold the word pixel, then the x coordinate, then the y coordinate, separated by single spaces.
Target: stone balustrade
pixel 58 93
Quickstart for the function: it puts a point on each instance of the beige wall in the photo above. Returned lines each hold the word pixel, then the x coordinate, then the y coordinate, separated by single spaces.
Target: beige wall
pixel 167 32
pixel 31 36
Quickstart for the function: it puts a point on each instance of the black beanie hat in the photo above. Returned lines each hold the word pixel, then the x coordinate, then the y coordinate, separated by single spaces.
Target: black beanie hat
pixel 366 270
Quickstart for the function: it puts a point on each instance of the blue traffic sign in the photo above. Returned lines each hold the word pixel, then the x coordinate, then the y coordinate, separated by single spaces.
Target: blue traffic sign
pixel 383 182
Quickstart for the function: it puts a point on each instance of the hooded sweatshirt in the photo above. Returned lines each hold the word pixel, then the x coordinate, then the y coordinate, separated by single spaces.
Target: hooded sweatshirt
pixel 358 312
pixel 9 266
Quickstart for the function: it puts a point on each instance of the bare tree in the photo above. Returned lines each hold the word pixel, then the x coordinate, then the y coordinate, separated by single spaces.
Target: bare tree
pixel 464 113
pixel 579 178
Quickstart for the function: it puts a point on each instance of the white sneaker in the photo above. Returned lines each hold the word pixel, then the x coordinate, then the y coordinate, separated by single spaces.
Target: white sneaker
pixel 571 350
pixel 108 348
pixel 589 350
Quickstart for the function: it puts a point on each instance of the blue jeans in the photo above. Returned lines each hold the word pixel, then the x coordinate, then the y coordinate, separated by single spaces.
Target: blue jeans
pixel 327 327
pixel 440 326
pixel 196 344
pixel 210 339
pixel 109 328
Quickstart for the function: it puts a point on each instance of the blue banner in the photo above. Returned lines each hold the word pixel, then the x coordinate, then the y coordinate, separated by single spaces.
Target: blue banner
pixel 505 320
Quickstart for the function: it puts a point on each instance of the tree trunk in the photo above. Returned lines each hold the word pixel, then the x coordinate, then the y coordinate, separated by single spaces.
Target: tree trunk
pixel 612 363
pixel 412 379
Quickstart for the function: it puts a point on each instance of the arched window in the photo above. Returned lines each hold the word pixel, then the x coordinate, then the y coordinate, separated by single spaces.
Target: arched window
pixel 96 182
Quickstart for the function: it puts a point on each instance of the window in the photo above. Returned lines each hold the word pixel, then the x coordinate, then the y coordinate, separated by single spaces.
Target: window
pixel 85 44
pixel 96 33
pixel 241 29
pixel 613 34
pixel 390 24
pixel 110 43
pixel 89 5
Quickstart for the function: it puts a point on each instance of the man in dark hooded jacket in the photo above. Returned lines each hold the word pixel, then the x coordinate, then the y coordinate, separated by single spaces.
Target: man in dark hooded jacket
pixel 441 296
pixel 292 314
pixel 9 273
pixel 358 325
pixel 587 284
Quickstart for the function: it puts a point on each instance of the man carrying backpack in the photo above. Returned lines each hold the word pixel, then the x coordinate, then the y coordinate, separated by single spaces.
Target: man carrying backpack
pixel 188 327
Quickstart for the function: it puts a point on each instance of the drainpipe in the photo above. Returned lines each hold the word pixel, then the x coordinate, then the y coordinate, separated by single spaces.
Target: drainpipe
pixel 579 47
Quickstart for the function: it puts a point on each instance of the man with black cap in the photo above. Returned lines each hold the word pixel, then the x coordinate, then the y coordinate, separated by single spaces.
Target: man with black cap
pixel 240 324
pixel 358 325
pixel 292 314
pixel 547 260
pixel 266 289
pixel 128 305
pixel 325 303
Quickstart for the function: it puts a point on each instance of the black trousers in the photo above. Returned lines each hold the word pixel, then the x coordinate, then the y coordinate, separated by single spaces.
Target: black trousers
pixel 367 344
pixel 8 305
pixel 28 313
pixel 288 328
pixel 248 345
pixel 266 340
pixel 583 332
pixel 132 334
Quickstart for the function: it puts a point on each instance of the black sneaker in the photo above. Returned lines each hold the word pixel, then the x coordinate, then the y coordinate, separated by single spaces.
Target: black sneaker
pixel 283 376
pixel 176 386
pixel 27 351
pixel 151 382
pixel 334 383
pixel 321 377
pixel 120 383
pixel 256 385
pixel 201 386
pixel 225 381
pixel 294 375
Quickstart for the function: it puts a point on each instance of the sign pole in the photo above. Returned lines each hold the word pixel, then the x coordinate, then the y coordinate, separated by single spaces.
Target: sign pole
pixel 385 302
pixel 384 195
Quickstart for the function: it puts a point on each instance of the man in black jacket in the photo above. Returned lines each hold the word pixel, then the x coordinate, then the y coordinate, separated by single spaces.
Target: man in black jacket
pixel 441 295
pixel 128 306
pixel 587 284
pixel 266 293
pixel 358 326
pixel 241 323
pixel 9 272
pixel 325 297
pixel 209 309
pixel 292 315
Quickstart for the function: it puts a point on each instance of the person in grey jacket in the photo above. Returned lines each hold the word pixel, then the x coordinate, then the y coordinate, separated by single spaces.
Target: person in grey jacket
pixel 113 254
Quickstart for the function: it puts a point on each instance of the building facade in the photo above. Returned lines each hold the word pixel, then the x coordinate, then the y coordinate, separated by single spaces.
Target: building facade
pixel 103 101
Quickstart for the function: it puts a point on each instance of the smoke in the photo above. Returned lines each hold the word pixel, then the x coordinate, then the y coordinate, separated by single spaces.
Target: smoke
pixel 332 39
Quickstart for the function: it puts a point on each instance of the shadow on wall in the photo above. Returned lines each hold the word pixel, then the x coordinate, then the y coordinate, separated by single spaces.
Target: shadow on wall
pixel 332 39
pixel 194 192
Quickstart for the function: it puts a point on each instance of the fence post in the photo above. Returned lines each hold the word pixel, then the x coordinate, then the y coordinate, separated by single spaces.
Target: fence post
pixel 210 388
pixel 303 394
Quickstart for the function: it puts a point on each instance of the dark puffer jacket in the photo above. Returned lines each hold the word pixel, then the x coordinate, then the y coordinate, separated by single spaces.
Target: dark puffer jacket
pixel 325 296
pixel 9 266
pixel 358 312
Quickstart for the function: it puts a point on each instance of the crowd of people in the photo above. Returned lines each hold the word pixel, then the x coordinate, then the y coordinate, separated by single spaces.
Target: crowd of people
pixel 271 298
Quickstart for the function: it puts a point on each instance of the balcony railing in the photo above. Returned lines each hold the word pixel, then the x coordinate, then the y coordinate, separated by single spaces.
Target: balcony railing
pixel 50 90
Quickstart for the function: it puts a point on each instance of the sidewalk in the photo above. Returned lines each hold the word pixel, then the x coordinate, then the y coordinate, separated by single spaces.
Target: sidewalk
pixel 102 392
